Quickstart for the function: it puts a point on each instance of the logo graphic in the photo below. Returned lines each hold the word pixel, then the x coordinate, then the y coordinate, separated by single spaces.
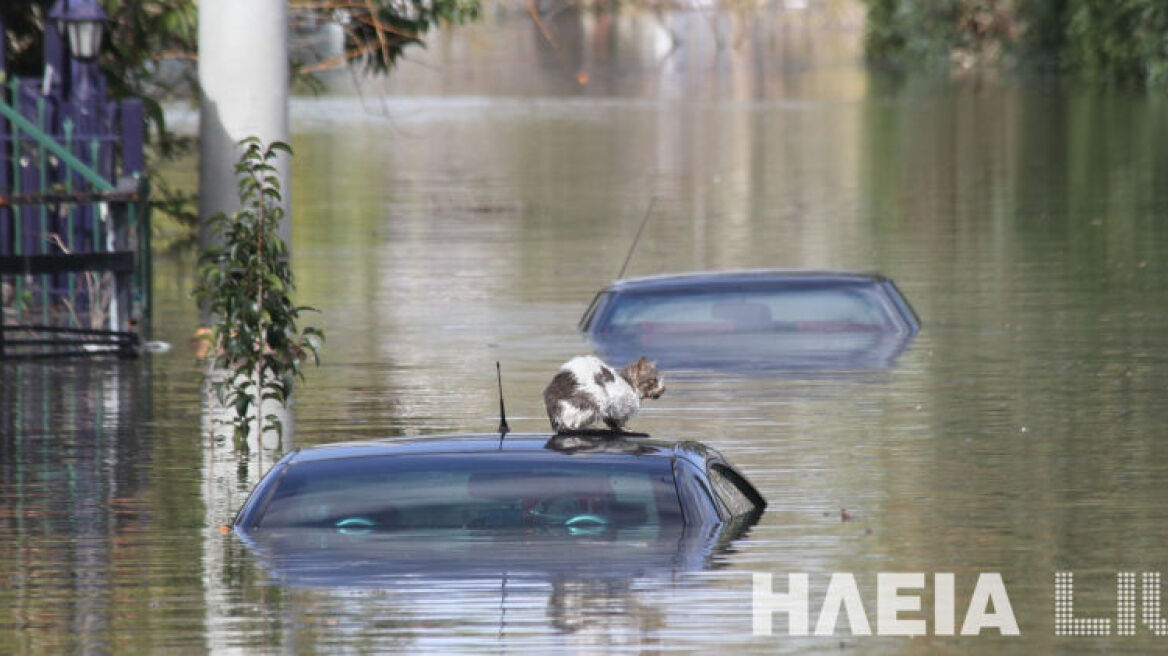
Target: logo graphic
pixel 988 607
pixel 1066 624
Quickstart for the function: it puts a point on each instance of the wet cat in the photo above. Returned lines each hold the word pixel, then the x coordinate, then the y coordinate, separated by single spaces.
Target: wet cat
pixel 585 391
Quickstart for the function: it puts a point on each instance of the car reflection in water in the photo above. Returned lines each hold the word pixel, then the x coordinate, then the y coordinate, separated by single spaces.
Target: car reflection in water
pixel 581 519
pixel 763 321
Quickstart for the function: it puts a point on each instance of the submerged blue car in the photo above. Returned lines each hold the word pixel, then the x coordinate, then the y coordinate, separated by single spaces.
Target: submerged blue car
pixel 761 319
pixel 589 483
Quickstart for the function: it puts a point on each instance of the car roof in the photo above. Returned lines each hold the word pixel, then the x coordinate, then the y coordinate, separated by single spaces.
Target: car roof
pixel 714 279
pixel 512 443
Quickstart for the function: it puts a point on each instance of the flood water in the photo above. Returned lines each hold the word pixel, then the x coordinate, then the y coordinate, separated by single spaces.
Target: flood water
pixel 465 212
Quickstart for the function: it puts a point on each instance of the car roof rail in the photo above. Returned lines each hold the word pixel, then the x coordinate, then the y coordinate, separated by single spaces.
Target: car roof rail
pixel 601 432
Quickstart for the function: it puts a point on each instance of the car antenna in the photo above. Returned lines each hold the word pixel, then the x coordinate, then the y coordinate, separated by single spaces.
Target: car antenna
pixel 503 427
pixel 633 247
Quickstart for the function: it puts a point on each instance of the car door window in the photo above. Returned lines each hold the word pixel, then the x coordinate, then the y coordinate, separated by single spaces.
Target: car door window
pixel 473 492
pixel 700 507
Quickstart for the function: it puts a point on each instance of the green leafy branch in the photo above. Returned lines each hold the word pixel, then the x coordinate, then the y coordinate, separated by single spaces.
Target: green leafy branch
pixel 246 285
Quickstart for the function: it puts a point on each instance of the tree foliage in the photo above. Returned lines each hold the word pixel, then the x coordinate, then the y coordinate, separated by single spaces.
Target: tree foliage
pixel 247 285
pixel 1124 41
pixel 1120 41
pixel 378 32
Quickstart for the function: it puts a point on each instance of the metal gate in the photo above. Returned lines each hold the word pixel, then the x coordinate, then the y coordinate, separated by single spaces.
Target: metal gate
pixel 75 270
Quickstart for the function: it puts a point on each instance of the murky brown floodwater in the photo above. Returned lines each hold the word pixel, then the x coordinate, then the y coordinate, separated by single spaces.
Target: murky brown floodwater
pixel 466 211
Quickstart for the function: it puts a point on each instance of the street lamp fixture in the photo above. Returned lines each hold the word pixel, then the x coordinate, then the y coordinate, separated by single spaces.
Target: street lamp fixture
pixel 84 21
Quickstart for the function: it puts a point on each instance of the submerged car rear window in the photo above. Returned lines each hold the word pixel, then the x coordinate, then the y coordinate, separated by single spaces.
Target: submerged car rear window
pixel 506 490
pixel 839 307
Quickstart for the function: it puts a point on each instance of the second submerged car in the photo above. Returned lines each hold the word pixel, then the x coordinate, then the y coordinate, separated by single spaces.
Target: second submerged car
pixel 771 319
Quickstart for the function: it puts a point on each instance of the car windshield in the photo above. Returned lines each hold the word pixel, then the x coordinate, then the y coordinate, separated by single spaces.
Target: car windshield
pixel 495 491
pixel 821 308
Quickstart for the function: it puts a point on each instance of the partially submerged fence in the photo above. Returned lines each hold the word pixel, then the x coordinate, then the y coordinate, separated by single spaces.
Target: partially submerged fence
pixel 75 269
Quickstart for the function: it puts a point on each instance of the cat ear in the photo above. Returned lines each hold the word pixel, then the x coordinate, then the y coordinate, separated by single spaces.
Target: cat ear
pixel 642 362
